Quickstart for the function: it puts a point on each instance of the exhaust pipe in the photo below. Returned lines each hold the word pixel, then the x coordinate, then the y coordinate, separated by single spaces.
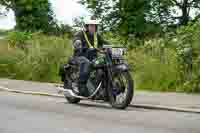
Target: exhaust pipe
pixel 61 88
pixel 68 92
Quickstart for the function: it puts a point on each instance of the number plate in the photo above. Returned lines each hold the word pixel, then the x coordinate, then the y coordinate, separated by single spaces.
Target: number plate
pixel 117 52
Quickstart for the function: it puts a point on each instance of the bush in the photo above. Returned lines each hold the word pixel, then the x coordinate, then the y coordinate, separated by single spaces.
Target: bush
pixel 189 57
pixel 19 39
pixel 39 62
pixel 170 63
pixel 150 73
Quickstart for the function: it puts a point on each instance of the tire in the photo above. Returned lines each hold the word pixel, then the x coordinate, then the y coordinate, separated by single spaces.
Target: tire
pixel 129 95
pixel 72 100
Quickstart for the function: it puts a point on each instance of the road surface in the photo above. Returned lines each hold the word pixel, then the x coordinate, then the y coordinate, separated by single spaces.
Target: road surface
pixel 39 114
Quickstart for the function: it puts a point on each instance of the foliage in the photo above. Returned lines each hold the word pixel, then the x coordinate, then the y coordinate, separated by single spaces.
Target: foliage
pixel 143 17
pixel 18 39
pixel 31 15
pixel 125 16
pixel 155 64
pixel 189 56
pixel 39 62
pixel 170 12
pixel 3 32
pixel 163 49
pixel 62 30
pixel 169 63
pixel 154 68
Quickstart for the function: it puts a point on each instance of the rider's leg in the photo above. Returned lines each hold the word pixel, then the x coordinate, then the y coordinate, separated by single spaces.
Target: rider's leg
pixel 84 64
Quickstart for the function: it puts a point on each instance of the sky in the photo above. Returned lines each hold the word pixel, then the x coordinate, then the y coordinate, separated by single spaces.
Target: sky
pixel 65 11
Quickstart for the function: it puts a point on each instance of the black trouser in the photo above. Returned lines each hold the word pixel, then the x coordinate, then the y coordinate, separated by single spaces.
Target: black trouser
pixel 84 67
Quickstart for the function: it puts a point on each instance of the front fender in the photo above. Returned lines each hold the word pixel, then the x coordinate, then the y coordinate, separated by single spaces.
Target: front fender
pixel 121 67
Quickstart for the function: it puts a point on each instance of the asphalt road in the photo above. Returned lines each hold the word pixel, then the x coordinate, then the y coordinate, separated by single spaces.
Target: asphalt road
pixel 39 114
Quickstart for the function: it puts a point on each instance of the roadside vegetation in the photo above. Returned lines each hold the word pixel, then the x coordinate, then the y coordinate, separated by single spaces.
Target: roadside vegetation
pixel 169 63
pixel 163 47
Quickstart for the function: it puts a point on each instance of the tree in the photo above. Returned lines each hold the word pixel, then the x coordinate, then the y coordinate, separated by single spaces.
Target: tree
pixel 31 15
pixel 100 9
pixel 78 22
pixel 186 6
pixel 140 17
pixel 170 12
pixel 123 16
pixel 63 29
pixel 157 12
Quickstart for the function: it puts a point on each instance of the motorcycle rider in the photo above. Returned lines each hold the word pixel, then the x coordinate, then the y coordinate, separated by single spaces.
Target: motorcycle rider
pixel 83 41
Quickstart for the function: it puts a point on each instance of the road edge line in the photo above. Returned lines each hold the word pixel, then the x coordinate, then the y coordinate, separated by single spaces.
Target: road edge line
pixel 165 108
pixel 30 92
pixel 144 106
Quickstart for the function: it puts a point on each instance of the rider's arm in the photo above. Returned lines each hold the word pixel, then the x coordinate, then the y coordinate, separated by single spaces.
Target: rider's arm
pixel 77 41
pixel 102 41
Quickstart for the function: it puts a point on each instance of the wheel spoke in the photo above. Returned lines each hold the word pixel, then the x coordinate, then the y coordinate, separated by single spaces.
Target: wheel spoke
pixel 120 82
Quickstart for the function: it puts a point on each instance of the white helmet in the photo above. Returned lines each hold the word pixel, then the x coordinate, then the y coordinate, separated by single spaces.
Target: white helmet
pixel 91 21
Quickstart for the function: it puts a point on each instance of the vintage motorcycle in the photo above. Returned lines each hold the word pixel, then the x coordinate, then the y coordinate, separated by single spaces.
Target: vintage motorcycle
pixel 110 80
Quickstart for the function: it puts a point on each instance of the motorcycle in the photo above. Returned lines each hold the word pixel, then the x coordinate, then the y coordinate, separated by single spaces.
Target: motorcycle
pixel 110 79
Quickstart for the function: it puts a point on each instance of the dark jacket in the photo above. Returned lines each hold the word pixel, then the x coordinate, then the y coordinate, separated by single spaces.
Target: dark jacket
pixel 81 49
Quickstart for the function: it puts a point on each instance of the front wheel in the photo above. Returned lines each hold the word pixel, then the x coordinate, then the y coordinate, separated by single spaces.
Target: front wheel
pixel 121 90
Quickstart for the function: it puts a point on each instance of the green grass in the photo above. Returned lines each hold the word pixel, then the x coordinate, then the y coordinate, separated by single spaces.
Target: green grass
pixel 40 61
pixel 150 74
pixel 3 32
pixel 42 56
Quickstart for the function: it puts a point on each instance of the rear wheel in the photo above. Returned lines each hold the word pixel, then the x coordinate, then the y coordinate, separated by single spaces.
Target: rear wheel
pixel 121 90
pixel 72 100
pixel 68 85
